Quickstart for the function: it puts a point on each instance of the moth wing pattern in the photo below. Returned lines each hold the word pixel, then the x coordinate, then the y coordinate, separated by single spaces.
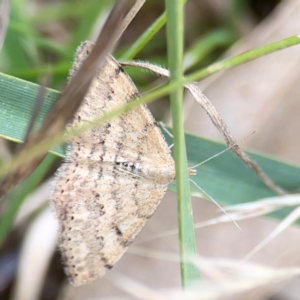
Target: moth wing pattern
pixel 113 178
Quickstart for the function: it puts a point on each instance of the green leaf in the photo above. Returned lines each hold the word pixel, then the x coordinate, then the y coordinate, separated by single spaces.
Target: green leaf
pixel 17 100
pixel 229 181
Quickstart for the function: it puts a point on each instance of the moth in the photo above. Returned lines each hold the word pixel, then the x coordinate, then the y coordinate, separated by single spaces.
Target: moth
pixel 113 178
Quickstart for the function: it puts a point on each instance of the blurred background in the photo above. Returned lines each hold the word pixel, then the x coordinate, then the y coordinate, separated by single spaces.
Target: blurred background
pixel 260 96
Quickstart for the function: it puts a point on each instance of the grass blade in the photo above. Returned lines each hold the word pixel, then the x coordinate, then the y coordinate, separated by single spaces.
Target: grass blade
pixel 189 272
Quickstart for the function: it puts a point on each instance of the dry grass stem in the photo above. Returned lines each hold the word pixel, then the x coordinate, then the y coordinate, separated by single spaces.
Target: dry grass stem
pixel 217 121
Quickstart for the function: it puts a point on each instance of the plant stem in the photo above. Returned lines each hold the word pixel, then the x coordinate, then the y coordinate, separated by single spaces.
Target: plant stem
pixel 189 272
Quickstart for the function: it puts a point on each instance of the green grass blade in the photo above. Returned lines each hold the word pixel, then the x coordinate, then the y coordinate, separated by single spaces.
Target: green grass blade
pixel 17 100
pixel 187 241
pixel 243 58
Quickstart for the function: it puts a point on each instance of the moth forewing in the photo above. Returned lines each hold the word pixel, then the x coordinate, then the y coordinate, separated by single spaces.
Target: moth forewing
pixel 113 178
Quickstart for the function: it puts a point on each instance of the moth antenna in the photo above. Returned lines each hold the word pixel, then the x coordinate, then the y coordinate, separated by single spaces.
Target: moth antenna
pixel 216 203
pixel 214 156
pixel 217 154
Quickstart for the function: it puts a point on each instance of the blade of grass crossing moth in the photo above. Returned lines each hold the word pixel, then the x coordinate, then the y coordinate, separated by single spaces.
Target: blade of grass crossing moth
pixel 189 271
pixel 68 102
